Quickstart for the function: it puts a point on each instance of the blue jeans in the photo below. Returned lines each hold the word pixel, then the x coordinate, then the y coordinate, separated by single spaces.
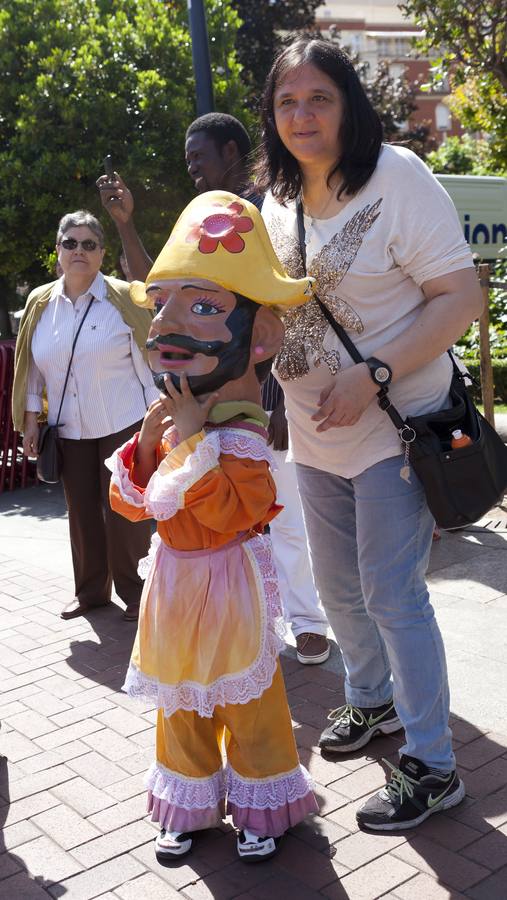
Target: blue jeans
pixel 370 539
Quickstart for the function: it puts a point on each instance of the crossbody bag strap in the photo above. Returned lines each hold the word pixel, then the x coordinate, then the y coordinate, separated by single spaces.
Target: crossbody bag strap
pixel 407 434
pixel 74 342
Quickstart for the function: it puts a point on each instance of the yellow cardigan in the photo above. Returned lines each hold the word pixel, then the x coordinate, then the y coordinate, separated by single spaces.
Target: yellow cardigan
pixel 118 293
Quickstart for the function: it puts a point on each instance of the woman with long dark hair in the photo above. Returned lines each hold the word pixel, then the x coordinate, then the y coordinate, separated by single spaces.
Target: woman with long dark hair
pixel 384 243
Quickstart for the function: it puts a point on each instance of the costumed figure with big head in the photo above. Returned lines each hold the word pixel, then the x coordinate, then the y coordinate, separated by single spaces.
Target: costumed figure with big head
pixel 206 651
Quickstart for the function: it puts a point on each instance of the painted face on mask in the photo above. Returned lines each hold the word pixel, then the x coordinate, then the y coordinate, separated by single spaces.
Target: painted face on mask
pixel 201 329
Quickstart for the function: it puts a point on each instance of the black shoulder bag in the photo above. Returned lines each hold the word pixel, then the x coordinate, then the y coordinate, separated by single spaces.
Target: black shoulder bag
pixel 49 450
pixel 461 485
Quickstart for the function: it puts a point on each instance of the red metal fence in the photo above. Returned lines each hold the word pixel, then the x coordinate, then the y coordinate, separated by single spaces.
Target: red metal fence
pixel 15 469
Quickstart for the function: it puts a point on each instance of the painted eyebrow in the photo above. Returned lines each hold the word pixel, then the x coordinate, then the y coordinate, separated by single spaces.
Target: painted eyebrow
pixel 197 287
pixel 194 287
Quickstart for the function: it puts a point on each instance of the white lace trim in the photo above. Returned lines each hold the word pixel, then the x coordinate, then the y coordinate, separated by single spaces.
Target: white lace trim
pixel 187 793
pixel 121 478
pixel 267 793
pixel 165 491
pixel 245 445
pixel 239 687
pixel 144 565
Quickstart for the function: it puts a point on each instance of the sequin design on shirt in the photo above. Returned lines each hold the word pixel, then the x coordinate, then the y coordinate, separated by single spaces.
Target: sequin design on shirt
pixel 306 326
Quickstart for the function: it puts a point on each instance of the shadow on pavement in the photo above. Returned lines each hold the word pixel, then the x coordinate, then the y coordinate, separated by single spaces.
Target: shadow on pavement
pixel 17 882
pixel 319 854
pixel 40 502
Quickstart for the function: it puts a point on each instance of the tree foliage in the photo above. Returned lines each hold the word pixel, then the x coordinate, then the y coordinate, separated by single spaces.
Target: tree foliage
pixel 82 79
pixel 468 42
pixel 471 35
pixel 261 34
pixel 462 156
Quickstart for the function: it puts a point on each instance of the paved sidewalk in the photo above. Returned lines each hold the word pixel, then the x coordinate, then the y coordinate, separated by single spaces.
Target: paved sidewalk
pixel 71 793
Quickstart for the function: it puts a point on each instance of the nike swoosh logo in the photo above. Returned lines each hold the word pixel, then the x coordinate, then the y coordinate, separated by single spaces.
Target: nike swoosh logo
pixel 372 720
pixel 432 801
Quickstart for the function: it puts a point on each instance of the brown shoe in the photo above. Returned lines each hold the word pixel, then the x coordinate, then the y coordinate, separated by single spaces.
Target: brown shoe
pixel 76 608
pixel 131 613
pixel 312 649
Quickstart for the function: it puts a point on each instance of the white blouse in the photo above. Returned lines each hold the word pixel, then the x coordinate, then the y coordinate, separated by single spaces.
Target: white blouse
pixel 110 385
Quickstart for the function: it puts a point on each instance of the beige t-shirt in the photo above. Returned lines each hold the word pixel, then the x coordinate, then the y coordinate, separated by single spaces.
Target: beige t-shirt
pixel 369 262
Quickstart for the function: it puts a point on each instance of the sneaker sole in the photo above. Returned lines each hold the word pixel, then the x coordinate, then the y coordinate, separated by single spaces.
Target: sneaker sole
pixel 313 660
pixel 385 728
pixel 166 853
pixel 447 803
pixel 255 856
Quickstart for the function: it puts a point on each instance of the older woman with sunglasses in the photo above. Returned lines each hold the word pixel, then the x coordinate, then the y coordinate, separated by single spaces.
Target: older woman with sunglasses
pixel 107 393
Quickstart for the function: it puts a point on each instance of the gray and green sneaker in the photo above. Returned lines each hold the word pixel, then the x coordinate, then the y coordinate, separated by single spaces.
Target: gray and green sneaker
pixel 353 727
pixel 413 793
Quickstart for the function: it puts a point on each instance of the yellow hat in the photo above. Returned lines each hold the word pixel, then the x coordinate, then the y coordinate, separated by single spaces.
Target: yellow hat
pixel 222 238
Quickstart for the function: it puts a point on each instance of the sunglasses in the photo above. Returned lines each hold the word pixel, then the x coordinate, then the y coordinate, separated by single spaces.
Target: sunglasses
pixel 71 244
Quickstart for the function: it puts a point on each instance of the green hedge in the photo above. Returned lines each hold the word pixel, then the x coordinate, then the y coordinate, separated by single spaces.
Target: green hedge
pixel 499 379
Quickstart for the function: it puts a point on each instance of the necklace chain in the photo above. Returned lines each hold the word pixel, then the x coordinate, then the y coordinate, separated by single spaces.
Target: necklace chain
pixel 332 195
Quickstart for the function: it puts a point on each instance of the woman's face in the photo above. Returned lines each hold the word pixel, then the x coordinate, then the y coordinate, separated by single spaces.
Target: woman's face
pixel 76 259
pixel 308 110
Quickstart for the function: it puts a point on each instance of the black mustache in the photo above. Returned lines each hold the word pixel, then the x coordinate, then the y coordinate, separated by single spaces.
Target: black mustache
pixel 208 348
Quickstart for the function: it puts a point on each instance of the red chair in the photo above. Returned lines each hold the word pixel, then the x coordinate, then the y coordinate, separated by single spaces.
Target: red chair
pixel 15 469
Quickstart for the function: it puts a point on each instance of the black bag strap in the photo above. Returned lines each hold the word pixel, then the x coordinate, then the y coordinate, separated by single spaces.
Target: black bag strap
pixel 74 342
pixel 406 433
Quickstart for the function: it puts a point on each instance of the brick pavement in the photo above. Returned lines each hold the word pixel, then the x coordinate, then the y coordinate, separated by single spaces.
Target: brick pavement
pixel 72 801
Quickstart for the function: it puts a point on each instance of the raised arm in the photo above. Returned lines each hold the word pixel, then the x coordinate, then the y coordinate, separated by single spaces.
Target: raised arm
pixel 117 199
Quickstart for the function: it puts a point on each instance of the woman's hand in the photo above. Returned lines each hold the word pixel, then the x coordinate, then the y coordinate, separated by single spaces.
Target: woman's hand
pixel 344 402
pixel 188 413
pixel 30 434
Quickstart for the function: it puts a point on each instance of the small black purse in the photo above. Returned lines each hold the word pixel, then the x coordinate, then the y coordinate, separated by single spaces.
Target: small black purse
pixel 461 485
pixel 49 448
pixel 49 454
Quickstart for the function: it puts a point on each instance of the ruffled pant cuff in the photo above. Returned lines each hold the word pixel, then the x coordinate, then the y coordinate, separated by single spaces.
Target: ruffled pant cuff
pixel 266 806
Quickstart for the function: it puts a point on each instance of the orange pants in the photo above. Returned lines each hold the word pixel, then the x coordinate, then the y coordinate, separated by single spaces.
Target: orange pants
pixel 267 789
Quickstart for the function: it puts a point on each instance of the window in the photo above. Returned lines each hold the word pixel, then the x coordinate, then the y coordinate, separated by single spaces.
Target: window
pixel 442 117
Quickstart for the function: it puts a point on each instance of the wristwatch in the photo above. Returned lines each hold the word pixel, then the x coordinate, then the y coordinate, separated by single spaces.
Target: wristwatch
pixel 380 372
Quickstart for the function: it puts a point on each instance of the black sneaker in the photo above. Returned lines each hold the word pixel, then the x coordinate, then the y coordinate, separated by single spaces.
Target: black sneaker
pixel 353 727
pixel 413 793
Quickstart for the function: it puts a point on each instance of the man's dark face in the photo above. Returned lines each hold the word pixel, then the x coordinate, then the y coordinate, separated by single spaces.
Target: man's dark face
pixel 205 163
pixel 200 329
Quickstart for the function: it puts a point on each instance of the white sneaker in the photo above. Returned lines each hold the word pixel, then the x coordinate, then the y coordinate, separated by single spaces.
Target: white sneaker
pixel 252 848
pixel 172 843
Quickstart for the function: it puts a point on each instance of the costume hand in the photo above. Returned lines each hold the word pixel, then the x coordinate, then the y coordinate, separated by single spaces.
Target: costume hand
pixel 116 198
pixel 188 413
pixel 344 402
pixel 30 435
pixel 154 424
pixel 278 432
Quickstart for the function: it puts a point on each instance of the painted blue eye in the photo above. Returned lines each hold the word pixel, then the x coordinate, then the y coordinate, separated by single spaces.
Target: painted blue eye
pixel 202 308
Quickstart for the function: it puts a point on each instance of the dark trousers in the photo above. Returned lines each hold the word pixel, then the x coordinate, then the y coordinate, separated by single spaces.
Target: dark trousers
pixel 105 546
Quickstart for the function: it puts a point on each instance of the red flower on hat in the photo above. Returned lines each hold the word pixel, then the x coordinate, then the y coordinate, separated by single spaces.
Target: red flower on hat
pixel 224 227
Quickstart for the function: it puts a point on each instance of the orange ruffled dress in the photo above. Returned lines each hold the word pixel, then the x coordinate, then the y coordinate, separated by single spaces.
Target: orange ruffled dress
pixel 211 629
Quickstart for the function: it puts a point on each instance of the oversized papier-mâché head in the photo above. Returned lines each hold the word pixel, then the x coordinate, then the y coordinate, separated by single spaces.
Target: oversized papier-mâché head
pixel 218 290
